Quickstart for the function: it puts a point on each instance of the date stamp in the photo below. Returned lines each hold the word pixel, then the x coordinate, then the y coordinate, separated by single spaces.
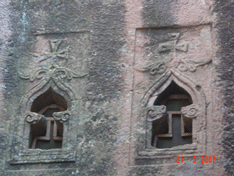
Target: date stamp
pixel 204 159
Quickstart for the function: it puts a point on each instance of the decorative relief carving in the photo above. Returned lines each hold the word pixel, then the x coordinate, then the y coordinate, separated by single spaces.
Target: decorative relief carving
pixel 190 111
pixel 154 68
pixel 156 112
pixel 33 118
pixel 55 68
pixel 53 72
pixel 189 65
pixel 166 57
pixel 61 116
pixel 173 45
pixel 55 54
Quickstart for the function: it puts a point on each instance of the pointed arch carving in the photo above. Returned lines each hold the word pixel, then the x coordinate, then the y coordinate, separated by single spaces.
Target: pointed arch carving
pixel 23 153
pixel 56 84
pixel 181 80
pixel 199 118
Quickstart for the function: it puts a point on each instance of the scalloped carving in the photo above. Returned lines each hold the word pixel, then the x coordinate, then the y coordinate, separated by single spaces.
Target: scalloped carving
pixel 156 112
pixel 191 111
pixel 33 118
pixel 62 116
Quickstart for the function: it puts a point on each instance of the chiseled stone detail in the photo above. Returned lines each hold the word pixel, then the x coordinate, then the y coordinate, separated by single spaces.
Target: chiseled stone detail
pixel 55 69
pixel 168 53
pixel 154 68
pixel 189 65
pixel 53 43
pixel 33 118
pixel 173 45
pixel 62 116
pixel 53 74
pixel 156 112
pixel 169 48
pixel 51 71
pixel 191 111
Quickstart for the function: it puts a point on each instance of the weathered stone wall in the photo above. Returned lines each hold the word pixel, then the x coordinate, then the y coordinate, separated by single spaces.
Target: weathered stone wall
pixel 224 68
pixel 110 60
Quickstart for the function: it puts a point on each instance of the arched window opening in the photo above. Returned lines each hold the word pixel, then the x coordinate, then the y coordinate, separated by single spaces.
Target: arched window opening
pixel 47 133
pixel 173 129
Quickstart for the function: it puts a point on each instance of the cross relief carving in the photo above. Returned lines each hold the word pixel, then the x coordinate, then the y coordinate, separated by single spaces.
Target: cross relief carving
pixel 169 50
pixel 57 66
pixel 173 46
pixel 54 129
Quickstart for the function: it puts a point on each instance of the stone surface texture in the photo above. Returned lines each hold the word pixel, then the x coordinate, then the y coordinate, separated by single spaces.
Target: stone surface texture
pixel 110 60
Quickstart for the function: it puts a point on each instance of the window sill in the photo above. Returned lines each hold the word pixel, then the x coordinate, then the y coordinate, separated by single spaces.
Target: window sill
pixel 44 156
pixel 188 149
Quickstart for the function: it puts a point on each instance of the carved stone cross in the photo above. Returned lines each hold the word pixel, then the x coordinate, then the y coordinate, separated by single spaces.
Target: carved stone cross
pixel 173 45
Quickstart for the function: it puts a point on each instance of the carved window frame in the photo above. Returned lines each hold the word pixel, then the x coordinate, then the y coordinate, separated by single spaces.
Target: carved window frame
pixel 21 151
pixel 170 117
pixel 49 121
pixel 145 150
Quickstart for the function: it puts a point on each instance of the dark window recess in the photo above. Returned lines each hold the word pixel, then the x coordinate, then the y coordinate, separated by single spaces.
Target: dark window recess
pixel 173 129
pixel 47 133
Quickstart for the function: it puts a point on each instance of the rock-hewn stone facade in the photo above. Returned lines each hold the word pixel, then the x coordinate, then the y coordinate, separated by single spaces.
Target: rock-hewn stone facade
pixel 113 68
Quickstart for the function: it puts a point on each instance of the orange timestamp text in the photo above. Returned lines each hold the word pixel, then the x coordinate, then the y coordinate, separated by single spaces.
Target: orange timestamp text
pixel 204 159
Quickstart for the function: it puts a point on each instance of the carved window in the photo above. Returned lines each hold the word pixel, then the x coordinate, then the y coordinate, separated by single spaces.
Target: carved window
pixel 174 119
pixel 49 125
pixel 47 133
pixel 47 117
pixel 172 128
